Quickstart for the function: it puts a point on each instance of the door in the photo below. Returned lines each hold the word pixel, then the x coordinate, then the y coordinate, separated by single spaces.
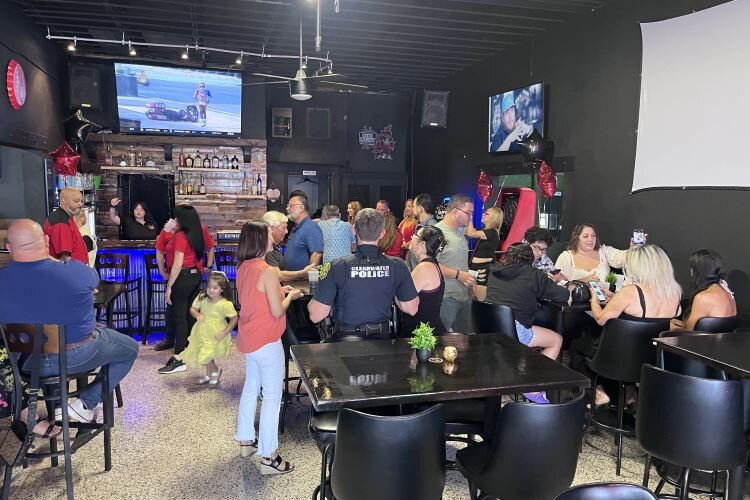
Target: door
pixel 311 187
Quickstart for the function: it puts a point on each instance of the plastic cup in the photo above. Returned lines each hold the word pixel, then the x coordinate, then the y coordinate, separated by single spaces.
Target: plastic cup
pixel 474 273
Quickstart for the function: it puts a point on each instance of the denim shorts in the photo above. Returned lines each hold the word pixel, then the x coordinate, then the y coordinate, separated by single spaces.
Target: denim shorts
pixel 524 334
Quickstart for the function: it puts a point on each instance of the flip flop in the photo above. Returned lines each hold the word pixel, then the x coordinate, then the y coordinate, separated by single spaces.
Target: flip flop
pixel 50 431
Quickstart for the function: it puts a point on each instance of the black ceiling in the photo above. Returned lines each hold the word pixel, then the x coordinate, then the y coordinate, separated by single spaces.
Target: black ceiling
pixel 388 45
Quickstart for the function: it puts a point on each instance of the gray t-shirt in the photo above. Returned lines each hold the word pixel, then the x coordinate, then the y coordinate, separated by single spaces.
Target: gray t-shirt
pixel 455 255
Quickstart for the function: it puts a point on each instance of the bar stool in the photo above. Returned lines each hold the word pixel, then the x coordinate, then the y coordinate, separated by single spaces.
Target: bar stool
pixel 115 267
pixel 156 289
pixel 226 262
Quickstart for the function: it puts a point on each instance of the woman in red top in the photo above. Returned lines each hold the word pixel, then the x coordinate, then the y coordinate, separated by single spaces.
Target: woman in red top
pixel 262 322
pixel 392 240
pixel 191 242
pixel 407 226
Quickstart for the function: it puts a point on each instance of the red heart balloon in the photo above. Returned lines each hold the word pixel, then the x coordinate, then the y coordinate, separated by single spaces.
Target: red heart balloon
pixel 484 186
pixel 546 180
pixel 66 160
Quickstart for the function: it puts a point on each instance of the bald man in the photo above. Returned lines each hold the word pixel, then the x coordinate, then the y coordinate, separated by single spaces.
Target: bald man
pixel 43 290
pixel 65 240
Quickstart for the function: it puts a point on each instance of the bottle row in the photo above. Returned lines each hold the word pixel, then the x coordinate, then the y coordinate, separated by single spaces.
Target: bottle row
pixel 215 161
pixel 189 185
pixel 134 158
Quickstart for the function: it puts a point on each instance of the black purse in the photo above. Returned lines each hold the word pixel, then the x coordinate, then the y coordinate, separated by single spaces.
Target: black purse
pixel 580 293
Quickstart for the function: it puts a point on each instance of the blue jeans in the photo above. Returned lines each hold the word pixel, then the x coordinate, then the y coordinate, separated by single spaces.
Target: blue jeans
pixel 106 347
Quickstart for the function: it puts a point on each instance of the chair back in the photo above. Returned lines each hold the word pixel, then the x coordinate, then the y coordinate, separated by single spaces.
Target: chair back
pixel 19 337
pixel 685 366
pixel 625 346
pixel 717 325
pixel 691 422
pixel 152 268
pixel 113 266
pixel 398 458
pixel 534 452
pixel 493 318
pixel 607 491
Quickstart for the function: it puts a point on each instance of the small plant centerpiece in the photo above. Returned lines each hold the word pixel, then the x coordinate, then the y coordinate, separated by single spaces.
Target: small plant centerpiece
pixel 612 280
pixel 423 341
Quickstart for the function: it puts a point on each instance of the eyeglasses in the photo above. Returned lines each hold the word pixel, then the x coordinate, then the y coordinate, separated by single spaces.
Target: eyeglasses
pixel 290 205
pixel 539 249
pixel 468 213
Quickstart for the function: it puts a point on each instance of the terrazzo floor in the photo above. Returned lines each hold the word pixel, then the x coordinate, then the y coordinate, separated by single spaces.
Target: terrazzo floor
pixel 173 440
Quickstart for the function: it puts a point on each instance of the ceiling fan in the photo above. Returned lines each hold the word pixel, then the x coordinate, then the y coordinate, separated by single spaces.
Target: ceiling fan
pixel 298 87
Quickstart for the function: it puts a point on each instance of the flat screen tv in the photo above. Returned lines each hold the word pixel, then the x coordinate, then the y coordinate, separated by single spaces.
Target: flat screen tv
pixel 178 101
pixel 513 116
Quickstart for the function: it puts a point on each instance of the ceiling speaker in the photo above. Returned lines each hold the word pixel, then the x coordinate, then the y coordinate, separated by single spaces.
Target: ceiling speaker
pixel 435 109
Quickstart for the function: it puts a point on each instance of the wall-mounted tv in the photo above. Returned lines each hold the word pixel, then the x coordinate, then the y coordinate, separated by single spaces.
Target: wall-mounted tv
pixel 513 116
pixel 178 101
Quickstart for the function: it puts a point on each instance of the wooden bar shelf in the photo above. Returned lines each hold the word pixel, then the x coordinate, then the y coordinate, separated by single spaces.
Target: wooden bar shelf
pixel 202 169
pixel 130 169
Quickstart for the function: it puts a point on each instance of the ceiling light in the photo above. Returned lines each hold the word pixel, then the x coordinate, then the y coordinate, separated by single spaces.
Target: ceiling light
pixel 299 91
pixel 304 63
pixel 72 46
pixel 131 50
pixel 238 61
pixel 184 56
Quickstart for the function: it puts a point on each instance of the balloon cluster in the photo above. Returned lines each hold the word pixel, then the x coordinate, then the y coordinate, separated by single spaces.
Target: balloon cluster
pixel 535 150
pixel 546 180
pixel 66 159
pixel 80 127
pixel 484 186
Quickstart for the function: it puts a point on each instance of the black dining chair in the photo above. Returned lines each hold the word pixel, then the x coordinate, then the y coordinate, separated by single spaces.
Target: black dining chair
pixel 288 339
pixel 156 287
pixel 625 346
pixel 115 267
pixel 226 262
pixel 607 491
pixel 493 318
pixel 533 454
pixel 691 422
pixel 717 325
pixel 398 458
pixel 686 366
pixel 32 340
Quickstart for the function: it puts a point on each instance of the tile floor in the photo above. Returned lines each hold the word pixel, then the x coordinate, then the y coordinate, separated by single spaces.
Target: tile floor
pixel 173 440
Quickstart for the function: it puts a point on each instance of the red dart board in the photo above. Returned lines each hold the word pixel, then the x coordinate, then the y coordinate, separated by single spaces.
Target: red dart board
pixel 16 82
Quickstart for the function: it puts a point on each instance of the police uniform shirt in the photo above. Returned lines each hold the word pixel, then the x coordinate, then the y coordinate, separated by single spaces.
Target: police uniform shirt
pixel 363 285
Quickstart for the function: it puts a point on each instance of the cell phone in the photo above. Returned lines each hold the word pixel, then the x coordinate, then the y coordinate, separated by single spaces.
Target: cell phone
pixel 639 237
pixel 554 272
pixel 598 291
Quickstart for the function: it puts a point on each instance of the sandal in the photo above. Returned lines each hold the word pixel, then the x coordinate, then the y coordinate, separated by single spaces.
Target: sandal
pixel 248 447
pixel 276 466
pixel 44 429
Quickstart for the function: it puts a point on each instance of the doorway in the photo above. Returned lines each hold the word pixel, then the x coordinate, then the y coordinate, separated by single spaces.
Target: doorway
pixel 311 187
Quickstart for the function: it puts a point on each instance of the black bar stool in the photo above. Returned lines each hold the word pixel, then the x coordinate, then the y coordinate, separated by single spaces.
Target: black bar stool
pixel 226 262
pixel 156 288
pixel 115 267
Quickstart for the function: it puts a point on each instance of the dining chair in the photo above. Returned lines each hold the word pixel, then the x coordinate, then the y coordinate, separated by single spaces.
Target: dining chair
pixel 625 346
pixel 607 491
pixel 33 340
pixel 533 454
pixel 693 423
pixel 115 267
pixel 493 318
pixel 717 325
pixel 288 339
pixel 393 457
pixel 156 288
pixel 226 262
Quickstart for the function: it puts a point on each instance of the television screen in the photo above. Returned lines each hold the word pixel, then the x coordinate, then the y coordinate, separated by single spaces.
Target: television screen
pixel 160 100
pixel 513 116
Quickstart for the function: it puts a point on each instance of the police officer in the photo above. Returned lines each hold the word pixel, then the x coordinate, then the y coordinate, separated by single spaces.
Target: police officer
pixel 361 287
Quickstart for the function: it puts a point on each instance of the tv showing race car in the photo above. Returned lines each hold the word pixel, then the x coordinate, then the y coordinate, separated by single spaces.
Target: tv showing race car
pixel 178 101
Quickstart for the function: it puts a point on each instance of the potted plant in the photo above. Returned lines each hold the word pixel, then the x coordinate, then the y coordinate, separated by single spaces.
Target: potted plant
pixel 423 341
pixel 612 280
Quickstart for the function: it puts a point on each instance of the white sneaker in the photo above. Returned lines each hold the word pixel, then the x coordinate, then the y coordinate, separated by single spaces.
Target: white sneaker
pixel 76 413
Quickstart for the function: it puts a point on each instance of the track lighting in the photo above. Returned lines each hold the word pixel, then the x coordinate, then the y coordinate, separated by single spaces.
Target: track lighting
pixel 299 91
pixel 72 45
pixel 131 50
pixel 304 63
pixel 184 56
pixel 238 61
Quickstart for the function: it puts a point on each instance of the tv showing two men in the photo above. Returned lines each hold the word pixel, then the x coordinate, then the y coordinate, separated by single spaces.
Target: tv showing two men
pixel 513 117
pixel 155 99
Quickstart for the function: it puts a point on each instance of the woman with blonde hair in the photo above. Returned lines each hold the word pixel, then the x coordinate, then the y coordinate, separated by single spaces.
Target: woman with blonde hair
pixel 351 209
pixel 488 239
pixel 651 292
pixel 391 242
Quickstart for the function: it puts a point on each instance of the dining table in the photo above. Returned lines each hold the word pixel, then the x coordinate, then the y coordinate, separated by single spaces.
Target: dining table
pixel 106 294
pixel 729 352
pixel 386 372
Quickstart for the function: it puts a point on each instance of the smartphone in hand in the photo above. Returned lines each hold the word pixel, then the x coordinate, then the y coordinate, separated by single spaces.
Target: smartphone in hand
pixel 639 237
pixel 554 272
pixel 598 291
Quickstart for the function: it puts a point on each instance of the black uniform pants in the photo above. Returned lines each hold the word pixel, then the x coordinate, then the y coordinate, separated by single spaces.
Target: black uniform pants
pixel 184 291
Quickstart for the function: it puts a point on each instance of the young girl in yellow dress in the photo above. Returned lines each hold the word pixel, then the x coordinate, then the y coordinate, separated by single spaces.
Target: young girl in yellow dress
pixel 211 337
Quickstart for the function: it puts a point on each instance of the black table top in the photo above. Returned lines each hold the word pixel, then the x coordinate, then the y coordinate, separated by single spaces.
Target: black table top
pixel 383 372
pixel 107 292
pixel 725 351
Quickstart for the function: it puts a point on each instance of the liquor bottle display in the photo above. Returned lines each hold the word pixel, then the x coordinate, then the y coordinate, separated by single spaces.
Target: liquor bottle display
pixel 235 162
pixel 108 157
pixel 225 160
pixel 198 160
pixel 259 183
pixel 181 158
pixel 206 161
pixel 202 189
pixel 189 161
pixel 189 187
pixel 215 160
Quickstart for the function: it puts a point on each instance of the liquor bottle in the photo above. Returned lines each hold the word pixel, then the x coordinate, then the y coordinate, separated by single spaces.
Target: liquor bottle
pixel 181 186
pixel 131 156
pixel 198 160
pixel 189 187
pixel 181 158
pixel 215 160
pixel 202 189
pixel 206 161
pixel 140 162
pixel 259 183
pixel 253 187
pixel 197 187
pixel 225 160
pixel 108 157
pixel 244 184
pixel 123 161
pixel 150 161
pixel 235 162
pixel 189 161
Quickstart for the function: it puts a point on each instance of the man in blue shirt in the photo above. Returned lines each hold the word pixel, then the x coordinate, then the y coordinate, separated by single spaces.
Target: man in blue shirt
pixel 35 288
pixel 305 244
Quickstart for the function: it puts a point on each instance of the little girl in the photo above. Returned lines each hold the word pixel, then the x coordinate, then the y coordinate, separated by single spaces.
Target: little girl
pixel 210 337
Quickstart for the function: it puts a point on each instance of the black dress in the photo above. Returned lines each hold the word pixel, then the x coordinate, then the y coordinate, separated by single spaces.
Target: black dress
pixel 429 307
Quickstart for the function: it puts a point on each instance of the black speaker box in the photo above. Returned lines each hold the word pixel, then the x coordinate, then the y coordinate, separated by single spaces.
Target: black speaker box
pixel 435 109
pixel 84 81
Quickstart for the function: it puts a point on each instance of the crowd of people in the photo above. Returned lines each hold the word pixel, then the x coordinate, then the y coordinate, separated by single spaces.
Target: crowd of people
pixel 366 265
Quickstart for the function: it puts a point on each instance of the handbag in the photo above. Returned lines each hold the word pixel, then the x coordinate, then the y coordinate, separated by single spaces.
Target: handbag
pixel 580 293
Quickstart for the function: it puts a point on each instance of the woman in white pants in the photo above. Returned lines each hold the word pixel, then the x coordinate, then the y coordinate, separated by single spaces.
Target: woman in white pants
pixel 262 322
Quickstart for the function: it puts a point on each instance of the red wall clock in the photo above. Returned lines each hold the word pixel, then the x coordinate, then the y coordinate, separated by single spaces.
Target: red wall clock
pixel 16 83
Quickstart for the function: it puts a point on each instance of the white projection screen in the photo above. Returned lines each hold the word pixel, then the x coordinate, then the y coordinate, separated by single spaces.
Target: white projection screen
pixel 694 120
